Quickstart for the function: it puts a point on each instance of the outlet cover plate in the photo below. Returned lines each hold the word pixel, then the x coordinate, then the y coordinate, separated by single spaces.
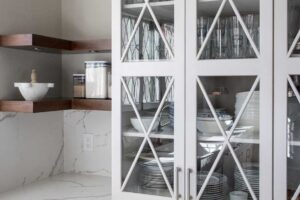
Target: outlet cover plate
pixel 88 142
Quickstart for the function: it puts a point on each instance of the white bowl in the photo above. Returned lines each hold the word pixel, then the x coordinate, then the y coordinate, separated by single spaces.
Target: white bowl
pixel 210 126
pixel 146 121
pixel 34 91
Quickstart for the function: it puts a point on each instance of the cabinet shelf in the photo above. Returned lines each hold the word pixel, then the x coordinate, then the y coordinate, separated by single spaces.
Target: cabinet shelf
pixel 166 134
pixel 163 10
pixel 245 138
pixel 39 43
pixel 295 142
pixel 210 8
pixel 53 105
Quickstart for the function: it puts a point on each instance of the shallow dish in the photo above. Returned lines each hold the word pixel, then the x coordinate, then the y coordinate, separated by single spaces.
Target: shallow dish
pixel 146 122
pixel 210 126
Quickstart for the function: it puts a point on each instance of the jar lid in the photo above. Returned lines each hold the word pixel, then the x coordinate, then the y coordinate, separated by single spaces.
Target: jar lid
pixel 78 75
pixel 96 64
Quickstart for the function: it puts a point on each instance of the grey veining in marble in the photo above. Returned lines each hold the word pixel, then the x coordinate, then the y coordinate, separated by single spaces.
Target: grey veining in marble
pixel 64 187
pixel 96 123
pixel 5 116
pixel 31 148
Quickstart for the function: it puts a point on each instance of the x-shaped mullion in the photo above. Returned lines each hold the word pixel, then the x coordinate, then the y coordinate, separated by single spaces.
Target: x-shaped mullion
pixel 241 21
pixel 134 31
pixel 147 5
pixel 294 88
pixel 147 138
pixel 159 29
pixel 211 29
pixel 226 138
pixel 296 194
pixel 294 44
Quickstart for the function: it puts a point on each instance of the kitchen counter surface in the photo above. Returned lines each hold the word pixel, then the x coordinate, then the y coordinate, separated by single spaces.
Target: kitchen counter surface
pixel 64 187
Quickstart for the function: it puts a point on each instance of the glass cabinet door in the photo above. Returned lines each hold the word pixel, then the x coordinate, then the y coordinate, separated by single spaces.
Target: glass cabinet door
pixel 286 96
pixel 229 122
pixel 148 135
pixel 293 28
pixel 228 29
pixel 228 137
pixel 149 105
pixel 293 138
pixel 147 30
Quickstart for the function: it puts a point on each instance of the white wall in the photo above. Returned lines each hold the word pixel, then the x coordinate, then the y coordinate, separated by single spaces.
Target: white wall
pixel 30 144
pixel 29 16
pixel 31 147
pixel 85 20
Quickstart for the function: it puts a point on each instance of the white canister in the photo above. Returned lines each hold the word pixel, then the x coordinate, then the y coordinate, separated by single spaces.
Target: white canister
pixel 109 82
pixel 96 79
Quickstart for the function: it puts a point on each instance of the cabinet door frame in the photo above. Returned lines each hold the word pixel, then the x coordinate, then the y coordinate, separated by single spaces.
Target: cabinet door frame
pixel 261 67
pixel 284 66
pixel 174 68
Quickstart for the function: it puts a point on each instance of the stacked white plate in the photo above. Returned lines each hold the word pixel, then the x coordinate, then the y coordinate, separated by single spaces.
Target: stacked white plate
pixel 151 177
pixel 250 116
pixel 215 189
pixel 251 171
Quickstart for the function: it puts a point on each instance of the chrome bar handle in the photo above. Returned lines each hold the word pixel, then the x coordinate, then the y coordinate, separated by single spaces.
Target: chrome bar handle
pixel 188 184
pixel 176 183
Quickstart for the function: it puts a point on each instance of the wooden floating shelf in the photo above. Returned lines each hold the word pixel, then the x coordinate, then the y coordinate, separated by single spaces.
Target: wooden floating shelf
pixel 35 107
pixel 53 105
pixel 91 104
pixel 39 43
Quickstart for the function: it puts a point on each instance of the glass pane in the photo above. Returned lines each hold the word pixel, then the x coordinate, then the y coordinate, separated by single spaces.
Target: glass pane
pixel 148 43
pixel 293 24
pixel 227 39
pixel 229 102
pixel 149 94
pixel 147 177
pixel 293 139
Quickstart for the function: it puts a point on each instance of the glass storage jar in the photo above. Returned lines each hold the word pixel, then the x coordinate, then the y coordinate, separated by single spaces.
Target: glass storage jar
pixel 96 79
pixel 79 85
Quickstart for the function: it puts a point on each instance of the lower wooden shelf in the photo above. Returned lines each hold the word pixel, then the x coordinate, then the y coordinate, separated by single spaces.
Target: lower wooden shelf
pixel 91 104
pixel 54 105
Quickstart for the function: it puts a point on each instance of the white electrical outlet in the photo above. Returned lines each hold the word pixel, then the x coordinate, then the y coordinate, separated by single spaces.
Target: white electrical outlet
pixel 88 142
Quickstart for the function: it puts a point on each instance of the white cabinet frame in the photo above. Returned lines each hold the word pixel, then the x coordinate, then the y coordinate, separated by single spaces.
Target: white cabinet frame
pixel 174 68
pixel 284 66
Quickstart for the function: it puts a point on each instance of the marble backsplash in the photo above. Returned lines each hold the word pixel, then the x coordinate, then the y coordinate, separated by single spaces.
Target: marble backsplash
pixel 31 148
pixel 37 146
pixel 97 124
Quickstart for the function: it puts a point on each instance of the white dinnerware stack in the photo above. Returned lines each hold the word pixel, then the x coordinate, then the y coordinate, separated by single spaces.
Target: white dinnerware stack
pixel 238 195
pixel 250 117
pixel 251 171
pixel 151 177
pixel 215 189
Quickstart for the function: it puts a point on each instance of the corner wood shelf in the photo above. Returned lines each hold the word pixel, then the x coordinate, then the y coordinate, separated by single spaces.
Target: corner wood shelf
pixel 39 43
pixel 91 104
pixel 54 105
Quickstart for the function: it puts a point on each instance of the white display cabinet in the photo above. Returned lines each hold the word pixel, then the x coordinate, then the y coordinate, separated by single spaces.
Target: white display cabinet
pixel 193 99
pixel 149 111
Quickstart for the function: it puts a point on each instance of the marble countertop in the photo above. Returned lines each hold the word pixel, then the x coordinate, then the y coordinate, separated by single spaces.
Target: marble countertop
pixel 64 187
